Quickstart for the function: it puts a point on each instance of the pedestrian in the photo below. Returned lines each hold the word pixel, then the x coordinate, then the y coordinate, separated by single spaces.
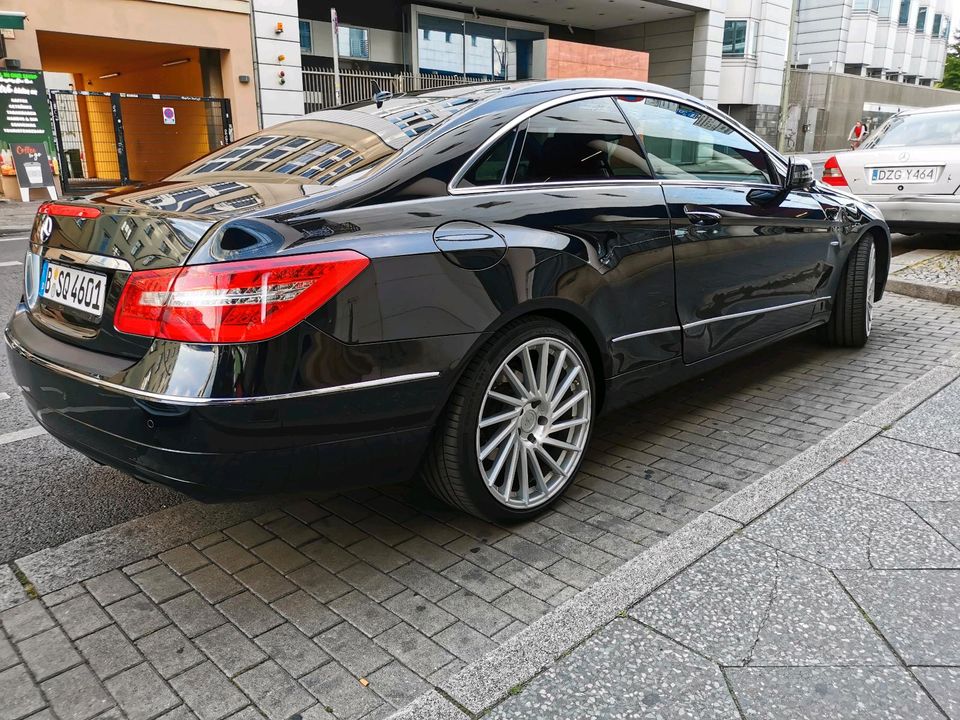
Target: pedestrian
pixel 858 134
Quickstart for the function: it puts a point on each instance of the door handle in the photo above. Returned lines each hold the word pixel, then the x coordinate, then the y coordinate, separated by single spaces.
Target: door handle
pixel 702 218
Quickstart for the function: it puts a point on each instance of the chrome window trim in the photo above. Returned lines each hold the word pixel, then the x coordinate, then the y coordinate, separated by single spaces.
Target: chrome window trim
pixel 206 402
pixel 453 189
pixel 642 333
pixel 734 316
pixel 77 257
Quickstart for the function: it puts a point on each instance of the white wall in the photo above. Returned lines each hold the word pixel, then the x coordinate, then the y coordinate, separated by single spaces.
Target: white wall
pixel 278 100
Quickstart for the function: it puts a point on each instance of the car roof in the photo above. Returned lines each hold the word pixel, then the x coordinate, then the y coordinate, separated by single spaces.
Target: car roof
pixel 935 109
pixel 405 117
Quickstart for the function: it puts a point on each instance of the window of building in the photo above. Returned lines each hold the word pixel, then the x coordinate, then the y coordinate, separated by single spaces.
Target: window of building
pixel 921 20
pixel 683 143
pixel 735 38
pixel 353 42
pixel 945 30
pixel 453 43
pixel 937 23
pixel 577 141
pixel 306 39
pixel 904 18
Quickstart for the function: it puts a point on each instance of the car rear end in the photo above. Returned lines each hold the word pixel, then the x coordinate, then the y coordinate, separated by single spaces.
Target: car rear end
pixel 171 333
pixel 909 169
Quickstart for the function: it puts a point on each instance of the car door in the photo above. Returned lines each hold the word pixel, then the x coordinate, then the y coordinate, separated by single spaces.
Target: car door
pixel 751 259
pixel 575 174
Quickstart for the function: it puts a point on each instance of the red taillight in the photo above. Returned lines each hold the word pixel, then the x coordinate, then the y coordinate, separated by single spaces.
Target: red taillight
pixel 235 302
pixel 832 174
pixel 64 210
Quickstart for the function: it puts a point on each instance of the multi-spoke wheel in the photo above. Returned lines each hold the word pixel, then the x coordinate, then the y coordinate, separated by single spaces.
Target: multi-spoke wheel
pixel 518 424
pixel 852 318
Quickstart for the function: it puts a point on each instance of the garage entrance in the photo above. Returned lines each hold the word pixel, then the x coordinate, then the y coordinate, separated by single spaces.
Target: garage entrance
pixel 109 139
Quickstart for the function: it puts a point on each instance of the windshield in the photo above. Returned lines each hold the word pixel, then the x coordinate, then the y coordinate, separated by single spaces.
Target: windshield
pixel 929 128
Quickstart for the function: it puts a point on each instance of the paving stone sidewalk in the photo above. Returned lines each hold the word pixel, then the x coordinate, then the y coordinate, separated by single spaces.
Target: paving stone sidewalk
pixel 355 604
pixel 841 602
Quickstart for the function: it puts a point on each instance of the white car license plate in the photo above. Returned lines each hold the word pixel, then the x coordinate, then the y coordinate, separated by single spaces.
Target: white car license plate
pixel 77 289
pixel 889 176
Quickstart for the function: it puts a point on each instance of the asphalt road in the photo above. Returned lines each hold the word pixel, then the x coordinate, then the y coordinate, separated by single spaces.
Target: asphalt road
pixel 48 493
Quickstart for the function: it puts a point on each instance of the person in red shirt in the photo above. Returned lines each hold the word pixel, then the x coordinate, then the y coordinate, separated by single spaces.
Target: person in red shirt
pixel 858 134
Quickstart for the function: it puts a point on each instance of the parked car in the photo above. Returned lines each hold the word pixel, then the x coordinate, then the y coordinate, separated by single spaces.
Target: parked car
pixel 909 168
pixel 454 282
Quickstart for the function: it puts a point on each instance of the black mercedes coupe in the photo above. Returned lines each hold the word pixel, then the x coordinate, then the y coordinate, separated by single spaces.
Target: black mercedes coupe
pixel 452 284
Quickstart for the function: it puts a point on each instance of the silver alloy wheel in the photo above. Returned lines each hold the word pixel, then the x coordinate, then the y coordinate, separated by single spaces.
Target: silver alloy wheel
pixel 534 423
pixel 871 285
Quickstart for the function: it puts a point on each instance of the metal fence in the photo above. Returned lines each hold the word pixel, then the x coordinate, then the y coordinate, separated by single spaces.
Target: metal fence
pixel 356 86
pixel 109 139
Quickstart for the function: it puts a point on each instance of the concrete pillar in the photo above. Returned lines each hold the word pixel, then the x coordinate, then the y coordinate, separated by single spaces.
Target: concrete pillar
pixel 705 55
pixel 276 33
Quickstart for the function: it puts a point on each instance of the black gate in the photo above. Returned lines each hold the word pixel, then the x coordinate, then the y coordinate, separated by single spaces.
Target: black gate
pixel 110 139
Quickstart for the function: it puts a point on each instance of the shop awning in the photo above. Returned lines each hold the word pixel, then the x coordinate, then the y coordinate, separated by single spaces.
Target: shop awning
pixel 10 20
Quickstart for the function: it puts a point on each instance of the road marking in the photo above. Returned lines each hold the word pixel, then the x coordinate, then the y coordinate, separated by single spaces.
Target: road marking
pixel 10 263
pixel 13 437
pixel 18 238
pixel 4 396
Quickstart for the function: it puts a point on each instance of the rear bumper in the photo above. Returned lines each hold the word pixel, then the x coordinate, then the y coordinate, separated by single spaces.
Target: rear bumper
pixel 349 437
pixel 919 213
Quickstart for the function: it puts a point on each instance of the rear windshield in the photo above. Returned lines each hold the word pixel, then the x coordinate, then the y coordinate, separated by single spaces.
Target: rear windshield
pixel 339 145
pixel 934 128
pixel 306 150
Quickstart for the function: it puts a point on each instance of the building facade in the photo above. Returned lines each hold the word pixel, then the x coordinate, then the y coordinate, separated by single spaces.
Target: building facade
pixel 901 40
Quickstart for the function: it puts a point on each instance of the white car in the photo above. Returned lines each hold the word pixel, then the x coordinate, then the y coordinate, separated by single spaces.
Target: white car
pixel 909 168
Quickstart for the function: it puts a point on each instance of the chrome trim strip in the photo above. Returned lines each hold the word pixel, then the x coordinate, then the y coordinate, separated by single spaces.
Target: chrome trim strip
pixel 105 262
pixel 734 316
pixel 642 333
pixel 205 402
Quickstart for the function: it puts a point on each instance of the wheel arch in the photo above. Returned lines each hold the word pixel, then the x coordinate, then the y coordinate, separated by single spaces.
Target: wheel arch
pixel 561 311
pixel 881 239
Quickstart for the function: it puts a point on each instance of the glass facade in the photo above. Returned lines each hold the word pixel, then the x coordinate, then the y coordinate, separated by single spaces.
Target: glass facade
pixel 353 42
pixel 479 49
pixel 306 40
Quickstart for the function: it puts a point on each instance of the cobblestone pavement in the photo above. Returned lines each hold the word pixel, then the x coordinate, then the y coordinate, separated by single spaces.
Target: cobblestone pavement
pixel 842 602
pixel 355 604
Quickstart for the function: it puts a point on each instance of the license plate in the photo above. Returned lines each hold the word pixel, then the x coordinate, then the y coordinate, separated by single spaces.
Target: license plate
pixel 77 289
pixel 889 176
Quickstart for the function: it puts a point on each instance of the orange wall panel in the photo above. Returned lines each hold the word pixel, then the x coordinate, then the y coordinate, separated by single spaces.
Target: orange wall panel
pixel 569 60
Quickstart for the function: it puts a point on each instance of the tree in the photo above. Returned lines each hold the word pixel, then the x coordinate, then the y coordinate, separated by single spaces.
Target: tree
pixel 951 68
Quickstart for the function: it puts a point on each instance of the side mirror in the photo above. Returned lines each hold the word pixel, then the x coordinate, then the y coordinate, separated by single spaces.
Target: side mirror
pixel 799 174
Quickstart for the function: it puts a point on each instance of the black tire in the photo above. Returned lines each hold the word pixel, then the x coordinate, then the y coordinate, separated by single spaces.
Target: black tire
pixel 451 468
pixel 850 323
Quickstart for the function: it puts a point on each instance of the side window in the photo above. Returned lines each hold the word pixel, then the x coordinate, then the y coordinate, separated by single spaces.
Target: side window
pixel 580 140
pixel 683 143
pixel 492 166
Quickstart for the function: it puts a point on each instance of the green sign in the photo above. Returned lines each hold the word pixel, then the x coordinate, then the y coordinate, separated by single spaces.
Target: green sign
pixel 24 112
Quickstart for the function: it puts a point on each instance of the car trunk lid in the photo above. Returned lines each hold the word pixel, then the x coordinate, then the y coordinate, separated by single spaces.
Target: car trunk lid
pixel 79 259
pixel 888 172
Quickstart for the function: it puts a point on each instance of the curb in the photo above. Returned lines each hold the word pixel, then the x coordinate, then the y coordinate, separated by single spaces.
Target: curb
pixel 85 557
pixel 924 291
pixel 487 681
pixel 6 231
